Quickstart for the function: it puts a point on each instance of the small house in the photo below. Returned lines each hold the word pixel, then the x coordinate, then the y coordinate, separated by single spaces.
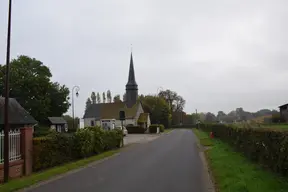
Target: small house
pixel 18 116
pixel 284 111
pixel 58 123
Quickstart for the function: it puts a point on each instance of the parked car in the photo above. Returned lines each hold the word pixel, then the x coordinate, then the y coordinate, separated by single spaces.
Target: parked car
pixel 125 132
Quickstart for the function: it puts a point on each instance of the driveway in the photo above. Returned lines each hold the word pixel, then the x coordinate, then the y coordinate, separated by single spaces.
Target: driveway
pixel 170 163
pixel 139 138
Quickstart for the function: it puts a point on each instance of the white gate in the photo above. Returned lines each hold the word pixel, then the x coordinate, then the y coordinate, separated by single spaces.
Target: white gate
pixel 14 145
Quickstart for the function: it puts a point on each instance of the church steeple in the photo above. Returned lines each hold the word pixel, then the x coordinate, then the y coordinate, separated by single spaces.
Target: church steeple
pixel 131 86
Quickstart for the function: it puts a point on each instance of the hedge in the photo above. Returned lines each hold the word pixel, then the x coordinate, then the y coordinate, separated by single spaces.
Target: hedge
pixel 153 128
pixel 57 148
pixel 267 147
pixel 135 129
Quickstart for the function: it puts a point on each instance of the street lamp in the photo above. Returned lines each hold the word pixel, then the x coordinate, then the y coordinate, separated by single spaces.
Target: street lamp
pixel 6 106
pixel 77 88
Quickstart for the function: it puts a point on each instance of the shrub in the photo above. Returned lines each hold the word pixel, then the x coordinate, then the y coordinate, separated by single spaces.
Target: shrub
pixel 265 146
pixel 153 128
pixel 57 148
pixel 135 129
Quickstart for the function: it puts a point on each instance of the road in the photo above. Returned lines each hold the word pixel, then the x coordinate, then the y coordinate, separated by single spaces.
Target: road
pixel 170 163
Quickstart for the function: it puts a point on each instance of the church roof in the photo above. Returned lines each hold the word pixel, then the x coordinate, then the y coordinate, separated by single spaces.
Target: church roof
pixel 110 110
pixel 17 114
pixel 131 84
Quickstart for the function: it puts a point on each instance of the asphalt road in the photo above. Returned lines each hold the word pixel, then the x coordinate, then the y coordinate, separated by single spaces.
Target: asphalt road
pixel 170 163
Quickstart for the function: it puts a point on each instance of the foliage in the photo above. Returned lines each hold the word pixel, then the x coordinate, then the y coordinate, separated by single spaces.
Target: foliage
pixel 109 96
pixel 104 97
pixel 31 86
pixel 175 101
pixel 277 118
pixel 153 128
pixel 98 97
pixel 116 99
pixel 210 117
pixel 40 131
pixel 93 97
pixel 70 122
pixel 267 147
pixel 57 148
pixel 157 108
pixel 239 114
pixel 124 97
pixel 135 129
pixel 88 103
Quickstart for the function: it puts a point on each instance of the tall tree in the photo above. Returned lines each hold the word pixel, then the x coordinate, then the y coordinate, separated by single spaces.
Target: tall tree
pixel 31 86
pixel 175 101
pixel 59 95
pixel 93 97
pixel 103 97
pixel 124 97
pixel 109 96
pixel 116 99
pixel 158 109
pixel 98 98
pixel 88 103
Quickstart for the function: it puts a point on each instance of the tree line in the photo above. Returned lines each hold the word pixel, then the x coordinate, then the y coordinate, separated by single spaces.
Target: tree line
pixel 160 106
pixel 32 87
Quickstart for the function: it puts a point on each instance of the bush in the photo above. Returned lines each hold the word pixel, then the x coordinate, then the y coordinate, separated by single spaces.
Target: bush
pixel 57 148
pixel 267 147
pixel 135 129
pixel 40 131
pixel 153 128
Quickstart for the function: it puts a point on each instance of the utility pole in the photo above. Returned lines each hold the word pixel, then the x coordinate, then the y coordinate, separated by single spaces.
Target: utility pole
pixel 6 106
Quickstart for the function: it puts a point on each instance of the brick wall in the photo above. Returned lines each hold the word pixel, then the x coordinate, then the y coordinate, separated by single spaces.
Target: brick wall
pixel 21 167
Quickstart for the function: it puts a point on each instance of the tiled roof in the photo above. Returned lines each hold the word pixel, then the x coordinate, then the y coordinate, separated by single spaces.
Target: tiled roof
pixel 17 114
pixel 110 110
pixel 57 120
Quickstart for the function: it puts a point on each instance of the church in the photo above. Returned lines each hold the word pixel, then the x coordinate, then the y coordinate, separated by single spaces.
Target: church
pixel 106 115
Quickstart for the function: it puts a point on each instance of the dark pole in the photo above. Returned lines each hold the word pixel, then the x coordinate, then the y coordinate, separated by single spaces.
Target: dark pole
pixel 77 90
pixel 6 106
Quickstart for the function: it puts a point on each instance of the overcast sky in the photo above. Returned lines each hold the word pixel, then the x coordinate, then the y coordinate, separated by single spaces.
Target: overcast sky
pixel 218 55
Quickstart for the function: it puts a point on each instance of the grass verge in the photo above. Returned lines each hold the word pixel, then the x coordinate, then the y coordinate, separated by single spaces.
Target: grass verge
pixel 203 138
pixel 35 178
pixel 233 172
pixel 167 130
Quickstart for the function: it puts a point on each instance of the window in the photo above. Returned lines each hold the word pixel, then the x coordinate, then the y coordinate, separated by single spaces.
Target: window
pixel 92 123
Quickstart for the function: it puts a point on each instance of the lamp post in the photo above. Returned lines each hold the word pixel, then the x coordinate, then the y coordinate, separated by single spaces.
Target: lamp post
pixel 6 106
pixel 77 88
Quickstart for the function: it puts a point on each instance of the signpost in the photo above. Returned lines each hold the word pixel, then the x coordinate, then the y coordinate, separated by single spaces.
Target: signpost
pixel 122 118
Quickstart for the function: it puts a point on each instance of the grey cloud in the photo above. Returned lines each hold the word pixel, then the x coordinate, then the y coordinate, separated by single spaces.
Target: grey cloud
pixel 218 55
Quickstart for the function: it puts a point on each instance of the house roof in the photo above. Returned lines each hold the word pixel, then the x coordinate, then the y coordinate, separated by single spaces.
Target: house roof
pixel 143 118
pixel 57 120
pixel 283 105
pixel 110 110
pixel 17 114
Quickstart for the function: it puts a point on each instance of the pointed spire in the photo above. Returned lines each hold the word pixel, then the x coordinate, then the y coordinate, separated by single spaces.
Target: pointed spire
pixel 131 77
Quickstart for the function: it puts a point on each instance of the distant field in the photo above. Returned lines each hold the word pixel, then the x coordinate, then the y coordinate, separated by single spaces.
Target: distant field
pixel 259 125
pixel 277 126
